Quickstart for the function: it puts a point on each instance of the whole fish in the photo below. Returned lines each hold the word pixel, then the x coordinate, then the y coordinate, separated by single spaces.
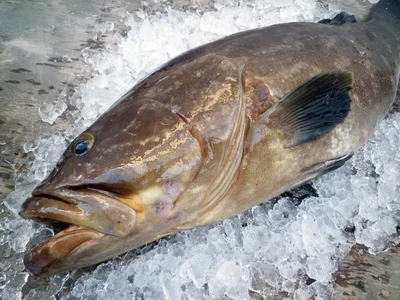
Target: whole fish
pixel 216 131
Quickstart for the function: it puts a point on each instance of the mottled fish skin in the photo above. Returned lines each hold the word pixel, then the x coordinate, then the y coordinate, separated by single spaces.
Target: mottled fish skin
pixel 192 144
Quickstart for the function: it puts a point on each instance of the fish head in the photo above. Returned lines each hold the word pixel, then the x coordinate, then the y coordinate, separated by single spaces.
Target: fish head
pixel 115 187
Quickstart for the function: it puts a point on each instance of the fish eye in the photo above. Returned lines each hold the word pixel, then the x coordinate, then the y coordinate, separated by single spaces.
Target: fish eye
pixel 81 147
pixel 83 144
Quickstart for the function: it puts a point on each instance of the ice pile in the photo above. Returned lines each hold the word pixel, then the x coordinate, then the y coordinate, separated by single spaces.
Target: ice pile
pixel 49 112
pixel 282 249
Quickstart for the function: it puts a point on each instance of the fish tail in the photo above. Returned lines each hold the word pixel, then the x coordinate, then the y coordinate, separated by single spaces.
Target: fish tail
pixel 387 10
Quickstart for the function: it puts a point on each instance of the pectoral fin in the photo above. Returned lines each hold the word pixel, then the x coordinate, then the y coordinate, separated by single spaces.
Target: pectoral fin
pixel 314 108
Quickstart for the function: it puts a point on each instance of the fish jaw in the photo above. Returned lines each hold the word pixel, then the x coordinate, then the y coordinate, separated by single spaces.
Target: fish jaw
pixel 92 216
pixel 100 228
pixel 40 261
pixel 88 208
pixel 77 247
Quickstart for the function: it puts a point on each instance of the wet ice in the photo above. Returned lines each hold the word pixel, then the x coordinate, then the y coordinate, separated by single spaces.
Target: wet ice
pixel 264 251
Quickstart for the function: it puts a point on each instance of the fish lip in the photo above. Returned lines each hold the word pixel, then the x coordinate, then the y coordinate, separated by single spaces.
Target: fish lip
pixel 88 207
pixel 55 254
pixel 38 218
pixel 39 193
pixel 42 195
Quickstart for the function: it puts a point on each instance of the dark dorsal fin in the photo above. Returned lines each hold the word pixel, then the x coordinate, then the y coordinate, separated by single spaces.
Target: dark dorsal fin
pixel 314 108
pixel 339 19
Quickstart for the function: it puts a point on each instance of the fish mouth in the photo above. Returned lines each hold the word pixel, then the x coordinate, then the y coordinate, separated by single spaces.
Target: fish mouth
pixel 40 259
pixel 87 218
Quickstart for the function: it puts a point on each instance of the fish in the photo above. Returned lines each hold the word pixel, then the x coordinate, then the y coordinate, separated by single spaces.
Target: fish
pixel 216 131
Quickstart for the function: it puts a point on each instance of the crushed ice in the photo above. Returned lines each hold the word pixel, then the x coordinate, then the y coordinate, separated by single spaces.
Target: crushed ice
pixel 286 249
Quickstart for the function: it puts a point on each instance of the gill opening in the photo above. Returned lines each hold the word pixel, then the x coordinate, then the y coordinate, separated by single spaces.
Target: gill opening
pixel 233 153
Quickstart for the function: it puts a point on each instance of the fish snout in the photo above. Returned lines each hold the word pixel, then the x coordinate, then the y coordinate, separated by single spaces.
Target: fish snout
pixel 23 207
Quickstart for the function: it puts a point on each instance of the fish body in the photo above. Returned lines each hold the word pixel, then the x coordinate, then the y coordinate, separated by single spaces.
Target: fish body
pixel 216 131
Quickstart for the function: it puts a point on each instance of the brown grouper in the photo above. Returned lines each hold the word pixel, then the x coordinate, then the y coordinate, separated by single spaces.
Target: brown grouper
pixel 216 131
